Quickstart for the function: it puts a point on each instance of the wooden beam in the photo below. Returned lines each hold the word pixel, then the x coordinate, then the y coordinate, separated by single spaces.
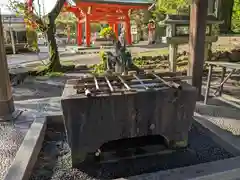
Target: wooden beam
pixel 97 15
pixel 107 19
pixel 106 11
pixel 198 16
pixel 104 5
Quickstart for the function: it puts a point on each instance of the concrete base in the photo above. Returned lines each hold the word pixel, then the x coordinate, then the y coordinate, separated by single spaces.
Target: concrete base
pixel 11 116
pixel 7 107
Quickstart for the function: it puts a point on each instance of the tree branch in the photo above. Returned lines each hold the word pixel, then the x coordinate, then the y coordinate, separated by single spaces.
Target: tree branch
pixel 57 9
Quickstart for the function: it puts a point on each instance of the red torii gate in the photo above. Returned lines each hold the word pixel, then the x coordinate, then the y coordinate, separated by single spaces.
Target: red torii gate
pixel 113 13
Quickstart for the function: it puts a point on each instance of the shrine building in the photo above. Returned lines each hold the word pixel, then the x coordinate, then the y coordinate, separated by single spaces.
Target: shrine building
pixel 111 12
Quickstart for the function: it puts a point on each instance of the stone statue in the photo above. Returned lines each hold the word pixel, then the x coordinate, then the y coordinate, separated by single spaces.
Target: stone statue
pixel 121 60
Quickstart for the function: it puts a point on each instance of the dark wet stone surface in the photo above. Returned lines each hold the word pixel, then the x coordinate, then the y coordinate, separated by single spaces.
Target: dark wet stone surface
pixel 54 162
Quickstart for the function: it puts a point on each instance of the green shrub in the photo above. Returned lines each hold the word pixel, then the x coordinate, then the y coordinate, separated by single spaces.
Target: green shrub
pixel 106 32
pixel 101 67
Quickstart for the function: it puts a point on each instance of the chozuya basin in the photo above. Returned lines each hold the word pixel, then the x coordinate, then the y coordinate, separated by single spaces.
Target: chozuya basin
pixel 91 121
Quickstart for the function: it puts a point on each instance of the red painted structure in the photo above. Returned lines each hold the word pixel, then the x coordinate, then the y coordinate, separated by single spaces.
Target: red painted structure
pixel 88 11
pixel 111 13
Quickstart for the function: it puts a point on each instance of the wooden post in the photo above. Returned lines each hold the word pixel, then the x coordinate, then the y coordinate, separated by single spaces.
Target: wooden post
pixel 128 30
pixel 87 30
pixel 12 40
pixel 211 7
pixel 115 28
pixel 211 11
pixel 79 33
pixel 173 48
pixel 197 31
pixel 68 34
pixel 6 100
pixel 111 25
pixel 208 84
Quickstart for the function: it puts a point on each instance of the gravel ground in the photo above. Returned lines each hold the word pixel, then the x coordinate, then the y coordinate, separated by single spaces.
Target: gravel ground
pixel 10 141
pixel 11 137
pixel 54 159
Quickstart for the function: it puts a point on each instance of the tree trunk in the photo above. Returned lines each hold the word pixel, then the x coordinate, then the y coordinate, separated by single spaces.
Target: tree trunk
pixel 225 14
pixel 55 64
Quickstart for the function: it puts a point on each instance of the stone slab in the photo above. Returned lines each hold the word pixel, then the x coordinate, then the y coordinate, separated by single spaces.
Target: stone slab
pixel 226 118
pixel 233 174
pixel 191 172
pixel 45 106
pixel 223 137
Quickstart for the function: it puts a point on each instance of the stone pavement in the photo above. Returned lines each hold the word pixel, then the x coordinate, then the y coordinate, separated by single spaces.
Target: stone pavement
pixel 43 106
pixel 69 52
pixel 227 118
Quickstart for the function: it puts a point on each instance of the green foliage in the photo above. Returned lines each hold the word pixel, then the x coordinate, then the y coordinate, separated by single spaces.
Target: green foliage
pixel 101 67
pixel 139 61
pixel 32 39
pixel 54 74
pixel 173 6
pixel 215 29
pixel 17 6
pixel 106 32
pixel 236 16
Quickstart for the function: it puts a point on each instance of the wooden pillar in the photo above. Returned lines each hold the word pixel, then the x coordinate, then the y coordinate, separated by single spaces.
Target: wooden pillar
pixel 6 99
pixel 173 49
pixel 111 25
pixel 198 16
pixel 13 43
pixel 87 30
pixel 128 30
pixel 68 34
pixel 115 28
pixel 211 7
pixel 79 33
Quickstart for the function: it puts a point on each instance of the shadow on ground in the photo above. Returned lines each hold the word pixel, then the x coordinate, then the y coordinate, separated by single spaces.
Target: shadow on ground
pixel 220 114
pixel 36 88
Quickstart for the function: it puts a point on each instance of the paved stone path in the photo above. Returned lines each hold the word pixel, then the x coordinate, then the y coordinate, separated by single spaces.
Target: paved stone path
pixel 19 60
